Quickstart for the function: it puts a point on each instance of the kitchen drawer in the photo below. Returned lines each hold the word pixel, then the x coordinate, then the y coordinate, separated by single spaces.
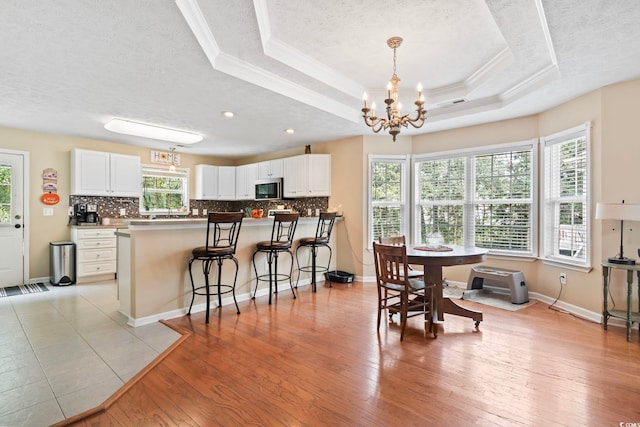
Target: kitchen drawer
pixel 88 268
pixel 106 254
pixel 97 243
pixel 98 233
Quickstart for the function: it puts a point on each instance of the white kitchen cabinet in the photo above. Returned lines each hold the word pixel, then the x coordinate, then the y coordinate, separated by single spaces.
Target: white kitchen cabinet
pixel 126 175
pixel 97 173
pixel 226 183
pixel 295 181
pixel 206 182
pixel 96 253
pixel 319 184
pixel 308 175
pixel 246 176
pixel 271 169
pixel 215 182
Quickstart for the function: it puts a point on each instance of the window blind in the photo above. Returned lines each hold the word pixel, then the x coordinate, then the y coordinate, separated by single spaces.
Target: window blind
pixel 566 196
pixel 483 197
pixel 387 196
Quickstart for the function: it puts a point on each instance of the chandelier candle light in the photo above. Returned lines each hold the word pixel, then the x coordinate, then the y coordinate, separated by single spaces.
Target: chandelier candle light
pixel 395 118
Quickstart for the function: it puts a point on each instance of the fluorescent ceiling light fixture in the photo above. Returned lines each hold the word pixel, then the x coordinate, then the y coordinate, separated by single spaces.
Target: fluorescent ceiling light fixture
pixel 128 127
pixel 228 114
pixel 289 131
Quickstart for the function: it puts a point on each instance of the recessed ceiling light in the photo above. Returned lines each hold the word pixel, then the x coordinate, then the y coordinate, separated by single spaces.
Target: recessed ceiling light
pixel 228 113
pixel 289 130
pixel 144 130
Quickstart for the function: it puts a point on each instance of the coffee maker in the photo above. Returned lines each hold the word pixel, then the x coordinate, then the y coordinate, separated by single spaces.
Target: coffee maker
pixel 84 213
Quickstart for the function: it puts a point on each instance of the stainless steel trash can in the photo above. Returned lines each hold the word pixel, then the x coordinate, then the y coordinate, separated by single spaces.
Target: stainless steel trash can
pixel 62 263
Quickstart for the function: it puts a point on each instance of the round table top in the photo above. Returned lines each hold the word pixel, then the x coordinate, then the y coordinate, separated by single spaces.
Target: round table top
pixel 457 256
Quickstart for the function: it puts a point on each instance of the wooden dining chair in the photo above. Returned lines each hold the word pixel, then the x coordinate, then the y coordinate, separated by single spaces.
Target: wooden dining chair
pixel 397 293
pixel 400 240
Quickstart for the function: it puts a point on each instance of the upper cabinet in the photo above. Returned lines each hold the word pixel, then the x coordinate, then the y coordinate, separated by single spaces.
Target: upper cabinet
pixel 246 176
pixel 226 183
pixel 96 173
pixel 308 175
pixel 215 182
pixel 271 169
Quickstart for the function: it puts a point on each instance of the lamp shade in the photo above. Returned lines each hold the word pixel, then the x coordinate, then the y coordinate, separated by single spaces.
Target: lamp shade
pixel 618 211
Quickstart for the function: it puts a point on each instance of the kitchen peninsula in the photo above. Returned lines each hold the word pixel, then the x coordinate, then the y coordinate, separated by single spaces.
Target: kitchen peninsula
pixel 153 280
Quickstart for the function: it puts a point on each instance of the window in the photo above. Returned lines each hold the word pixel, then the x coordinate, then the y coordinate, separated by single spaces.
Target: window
pixel 441 196
pixel 5 194
pixel 503 201
pixel 566 214
pixel 164 191
pixel 484 197
pixel 388 195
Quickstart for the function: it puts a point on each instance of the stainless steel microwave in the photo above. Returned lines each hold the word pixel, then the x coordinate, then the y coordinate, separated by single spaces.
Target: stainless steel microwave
pixel 269 189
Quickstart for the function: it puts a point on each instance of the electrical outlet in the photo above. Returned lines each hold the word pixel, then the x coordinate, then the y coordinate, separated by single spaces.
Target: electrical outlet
pixel 205 212
pixel 195 212
pixel 123 212
pixel 563 278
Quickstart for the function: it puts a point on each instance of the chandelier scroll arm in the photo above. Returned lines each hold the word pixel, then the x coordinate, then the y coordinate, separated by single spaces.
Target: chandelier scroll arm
pixel 418 121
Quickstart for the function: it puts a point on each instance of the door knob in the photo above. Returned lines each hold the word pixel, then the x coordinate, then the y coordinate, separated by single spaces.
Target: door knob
pixel 17 225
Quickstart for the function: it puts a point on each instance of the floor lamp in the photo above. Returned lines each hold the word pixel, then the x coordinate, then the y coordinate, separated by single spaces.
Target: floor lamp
pixel 621 212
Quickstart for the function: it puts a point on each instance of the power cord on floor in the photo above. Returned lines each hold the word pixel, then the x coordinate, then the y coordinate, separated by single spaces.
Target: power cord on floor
pixel 551 307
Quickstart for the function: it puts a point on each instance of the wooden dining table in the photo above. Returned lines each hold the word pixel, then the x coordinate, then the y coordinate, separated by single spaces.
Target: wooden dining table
pixel 433 261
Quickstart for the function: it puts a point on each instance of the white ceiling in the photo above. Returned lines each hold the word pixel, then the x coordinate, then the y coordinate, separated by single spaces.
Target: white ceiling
pixel 68 66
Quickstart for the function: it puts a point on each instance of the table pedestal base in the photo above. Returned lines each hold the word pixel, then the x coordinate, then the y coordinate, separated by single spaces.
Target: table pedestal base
pixel 451 307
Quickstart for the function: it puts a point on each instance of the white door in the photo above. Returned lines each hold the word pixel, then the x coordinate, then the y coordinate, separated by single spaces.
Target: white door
pixel 12 232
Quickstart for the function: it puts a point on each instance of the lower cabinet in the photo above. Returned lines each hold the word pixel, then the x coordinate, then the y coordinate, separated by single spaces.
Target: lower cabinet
pixel 96 253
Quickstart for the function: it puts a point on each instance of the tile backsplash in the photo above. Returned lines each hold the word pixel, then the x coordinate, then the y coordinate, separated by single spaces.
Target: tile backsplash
pixel 109 207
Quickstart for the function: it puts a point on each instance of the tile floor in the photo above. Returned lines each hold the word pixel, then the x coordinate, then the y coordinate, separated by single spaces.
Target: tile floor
pixel 67 350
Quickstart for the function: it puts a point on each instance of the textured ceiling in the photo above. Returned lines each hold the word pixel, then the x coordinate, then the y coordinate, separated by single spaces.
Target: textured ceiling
pixel 68 66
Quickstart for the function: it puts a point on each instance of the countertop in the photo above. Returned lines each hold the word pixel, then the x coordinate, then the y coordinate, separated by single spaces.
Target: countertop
pixel 97 225
pixel 191 222
pixel 123 223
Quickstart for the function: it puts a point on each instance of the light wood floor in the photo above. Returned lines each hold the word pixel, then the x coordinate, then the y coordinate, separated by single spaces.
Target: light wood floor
pixel 318 360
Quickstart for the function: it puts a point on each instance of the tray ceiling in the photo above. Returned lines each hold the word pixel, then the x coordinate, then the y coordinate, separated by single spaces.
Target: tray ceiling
pixel 68 67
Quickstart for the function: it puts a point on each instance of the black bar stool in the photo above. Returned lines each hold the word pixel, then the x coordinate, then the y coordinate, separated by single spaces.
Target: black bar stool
pixel 284 226
pixel 321 240
pixel 222 236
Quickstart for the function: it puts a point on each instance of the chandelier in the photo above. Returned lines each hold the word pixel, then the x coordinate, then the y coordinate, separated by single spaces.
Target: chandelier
pixel 395 119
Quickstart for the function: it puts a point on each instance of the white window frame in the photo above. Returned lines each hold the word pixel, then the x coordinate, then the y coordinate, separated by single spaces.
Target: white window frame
pixel 469 196
pixel 550 201
pixel 160 171
pixel 405 162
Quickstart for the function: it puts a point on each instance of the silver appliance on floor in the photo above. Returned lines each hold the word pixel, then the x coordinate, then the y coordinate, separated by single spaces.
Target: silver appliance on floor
pixel 62 263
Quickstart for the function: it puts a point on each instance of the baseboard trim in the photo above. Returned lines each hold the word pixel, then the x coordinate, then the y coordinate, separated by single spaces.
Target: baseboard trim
pixel 561 305
pixel 197 308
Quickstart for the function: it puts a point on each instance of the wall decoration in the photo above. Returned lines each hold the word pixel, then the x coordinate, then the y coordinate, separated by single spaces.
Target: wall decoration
pixel 50 199
pixel 164 158
pixel 50 174
pixel 50 187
